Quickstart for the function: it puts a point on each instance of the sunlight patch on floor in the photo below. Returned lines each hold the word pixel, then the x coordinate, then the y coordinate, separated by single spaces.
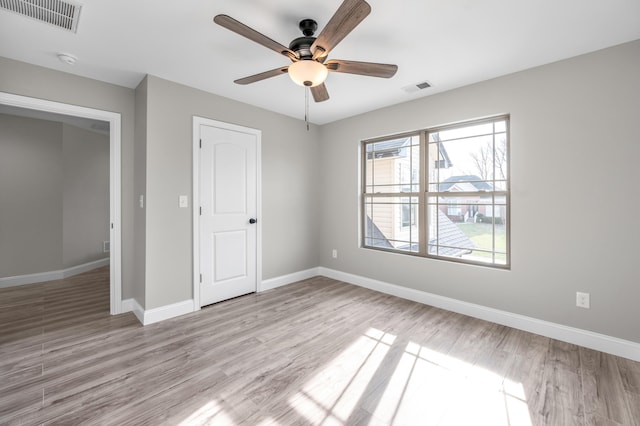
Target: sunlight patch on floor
pixel 516 402
pixel 422 385
pixel 332 394
pixel 210 413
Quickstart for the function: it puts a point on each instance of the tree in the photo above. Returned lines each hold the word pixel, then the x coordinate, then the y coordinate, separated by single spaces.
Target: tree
pixel 483 160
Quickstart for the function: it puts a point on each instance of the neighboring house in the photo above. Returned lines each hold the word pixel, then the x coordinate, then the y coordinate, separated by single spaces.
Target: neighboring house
pixel 474 208
pixel 394 223
pixel 393 173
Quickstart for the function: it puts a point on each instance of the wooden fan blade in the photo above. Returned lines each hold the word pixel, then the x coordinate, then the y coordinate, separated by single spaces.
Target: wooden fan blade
pixel 320 93
pixel 362 68
pixel 262 76
pixel 253 35
pixel 347 17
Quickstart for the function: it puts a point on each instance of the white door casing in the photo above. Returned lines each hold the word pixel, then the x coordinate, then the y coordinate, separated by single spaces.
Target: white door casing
pixel 228 186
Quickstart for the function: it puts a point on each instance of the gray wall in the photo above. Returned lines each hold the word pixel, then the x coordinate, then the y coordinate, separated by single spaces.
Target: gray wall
pixel 289 187
pixel 140 189
pixel 30 196
pixel 574 150
pixel 85 207
pixel 54 187
pixel 38 82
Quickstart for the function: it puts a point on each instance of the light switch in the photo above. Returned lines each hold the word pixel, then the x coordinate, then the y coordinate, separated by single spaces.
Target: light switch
pixel 142 201
pixel 184 202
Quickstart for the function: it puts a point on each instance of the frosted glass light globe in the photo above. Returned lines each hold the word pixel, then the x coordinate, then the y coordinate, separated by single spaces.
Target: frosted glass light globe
pixel 308 72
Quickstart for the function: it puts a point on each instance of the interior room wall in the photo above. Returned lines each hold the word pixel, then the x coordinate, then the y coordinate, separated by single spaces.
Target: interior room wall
pixel 29 80
pixel 574 180
pixel 85 207
pixel 55 192
pixel 289 187
pixel 31 183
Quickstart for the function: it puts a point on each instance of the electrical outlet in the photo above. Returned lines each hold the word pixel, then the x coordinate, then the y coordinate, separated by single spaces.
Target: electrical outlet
pixel 334 254
pixel 582 300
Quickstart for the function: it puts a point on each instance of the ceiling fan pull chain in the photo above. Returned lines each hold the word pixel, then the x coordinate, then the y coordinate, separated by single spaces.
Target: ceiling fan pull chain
pixel 306 107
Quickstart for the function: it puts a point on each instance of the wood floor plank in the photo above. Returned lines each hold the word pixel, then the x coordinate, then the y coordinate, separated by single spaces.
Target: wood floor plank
pixel 20 393
pixel 634 407
pixel 314 352
pixel 630 374
pixel 19 360
pixel 605 395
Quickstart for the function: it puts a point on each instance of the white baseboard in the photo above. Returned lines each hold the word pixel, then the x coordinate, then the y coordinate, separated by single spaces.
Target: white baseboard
pixel 162 313
pixel 288 279
pixel 166 312
pixel 52 275
pixel 132 305
pixel 85 267
pixel 589 339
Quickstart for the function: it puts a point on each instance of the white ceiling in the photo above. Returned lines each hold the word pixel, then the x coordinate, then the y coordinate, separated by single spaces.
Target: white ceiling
pixel 449 43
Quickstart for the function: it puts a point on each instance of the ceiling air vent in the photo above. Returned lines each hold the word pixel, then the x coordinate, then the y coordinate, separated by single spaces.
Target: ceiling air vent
pixel 412 88
pixel 62 14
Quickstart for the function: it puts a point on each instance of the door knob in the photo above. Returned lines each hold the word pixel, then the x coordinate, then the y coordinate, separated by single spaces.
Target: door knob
pixel 252 221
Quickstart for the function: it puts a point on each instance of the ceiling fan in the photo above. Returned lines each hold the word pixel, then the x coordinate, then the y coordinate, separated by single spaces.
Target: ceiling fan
pixel 308 53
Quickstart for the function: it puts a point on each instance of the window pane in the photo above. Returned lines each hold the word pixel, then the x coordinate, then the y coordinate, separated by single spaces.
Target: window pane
pixel 464 160
pixel 467 155
pixel 461 132
pixel 471 159
pixel 392 222
pixel 393 166
pixel 482 241
pixel 500 185
pixel 500 160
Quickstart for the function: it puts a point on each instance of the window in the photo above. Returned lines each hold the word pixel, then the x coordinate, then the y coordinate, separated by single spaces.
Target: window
pixel 441 192
pixel 454 209
pixel 408 215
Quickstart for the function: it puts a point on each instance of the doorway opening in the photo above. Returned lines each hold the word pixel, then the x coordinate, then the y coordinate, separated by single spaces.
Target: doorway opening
pixel 114 120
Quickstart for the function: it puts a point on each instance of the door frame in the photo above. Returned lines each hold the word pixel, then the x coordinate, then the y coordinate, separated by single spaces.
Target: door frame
pixel 195 205
pixel 115 147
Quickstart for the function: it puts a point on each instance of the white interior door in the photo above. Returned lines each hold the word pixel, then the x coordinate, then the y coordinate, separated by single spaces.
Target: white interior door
pixel 228 222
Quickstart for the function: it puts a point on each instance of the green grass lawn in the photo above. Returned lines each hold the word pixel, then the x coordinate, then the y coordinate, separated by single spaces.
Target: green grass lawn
pixel 481 235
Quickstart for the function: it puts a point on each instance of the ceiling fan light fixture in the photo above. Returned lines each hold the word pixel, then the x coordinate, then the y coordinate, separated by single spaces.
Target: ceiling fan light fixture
pixel 308 73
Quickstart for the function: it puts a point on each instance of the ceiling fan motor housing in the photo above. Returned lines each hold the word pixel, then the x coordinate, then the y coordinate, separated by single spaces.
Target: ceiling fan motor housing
pixel 302 45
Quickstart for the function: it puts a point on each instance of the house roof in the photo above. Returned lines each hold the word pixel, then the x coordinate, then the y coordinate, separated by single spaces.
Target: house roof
pixel 392 144
pixel 455 242
pixel 473 180
pixel 377 238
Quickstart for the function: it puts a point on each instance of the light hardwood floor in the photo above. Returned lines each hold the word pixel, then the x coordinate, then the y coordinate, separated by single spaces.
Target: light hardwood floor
pixel 314 352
